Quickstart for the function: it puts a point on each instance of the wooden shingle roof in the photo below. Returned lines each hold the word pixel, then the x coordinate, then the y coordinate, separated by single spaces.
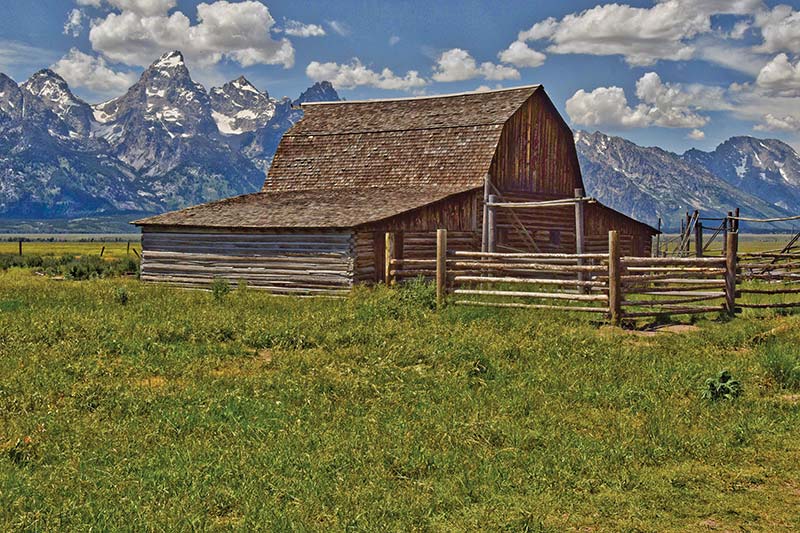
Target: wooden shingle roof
pixel 446 141
pixel 339 208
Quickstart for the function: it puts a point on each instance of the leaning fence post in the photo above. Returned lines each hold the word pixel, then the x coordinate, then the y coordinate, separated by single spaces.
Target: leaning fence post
pixel 614 280
pixel 389 255
pixel 731 250
pixel 441 266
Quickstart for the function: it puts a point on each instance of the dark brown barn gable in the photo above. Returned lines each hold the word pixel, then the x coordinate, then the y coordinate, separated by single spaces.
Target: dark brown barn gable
pixel 349 171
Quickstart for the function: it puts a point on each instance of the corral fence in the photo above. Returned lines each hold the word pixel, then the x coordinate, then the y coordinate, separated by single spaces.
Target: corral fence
pixel 607 284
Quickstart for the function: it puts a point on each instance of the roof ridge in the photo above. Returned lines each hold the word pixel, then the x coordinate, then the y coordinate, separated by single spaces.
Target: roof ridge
pixel 394 130
pixel 424 97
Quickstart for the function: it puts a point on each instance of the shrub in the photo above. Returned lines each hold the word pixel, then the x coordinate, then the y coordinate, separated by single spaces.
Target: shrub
pixel 121 295
pixel 220 287
pixel 782 364
pixel 417 293
pixel 722 387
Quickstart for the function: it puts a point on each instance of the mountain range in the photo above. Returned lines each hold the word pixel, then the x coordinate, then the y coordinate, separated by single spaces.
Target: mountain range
pixel 168 143
pixel 165 144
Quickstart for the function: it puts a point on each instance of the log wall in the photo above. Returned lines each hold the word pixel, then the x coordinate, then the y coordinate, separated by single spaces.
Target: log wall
pixel 282 262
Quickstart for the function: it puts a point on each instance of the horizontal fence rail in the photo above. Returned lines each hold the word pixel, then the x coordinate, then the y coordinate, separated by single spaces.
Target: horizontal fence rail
pixel 608 283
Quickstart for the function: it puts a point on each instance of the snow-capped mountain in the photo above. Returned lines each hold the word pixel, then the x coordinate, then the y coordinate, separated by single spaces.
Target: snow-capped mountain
pixel 167 143
pixel 238 107
pixel 767 168
pixel 648 182
pixel 54 93
pixel 162 145
pixel 47 169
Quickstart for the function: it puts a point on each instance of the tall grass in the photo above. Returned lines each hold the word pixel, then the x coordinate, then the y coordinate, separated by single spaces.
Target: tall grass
pixel 376 412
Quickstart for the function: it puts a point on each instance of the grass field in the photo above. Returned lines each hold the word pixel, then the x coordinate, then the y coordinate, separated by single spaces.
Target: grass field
pixel 113 249
pixel 176 412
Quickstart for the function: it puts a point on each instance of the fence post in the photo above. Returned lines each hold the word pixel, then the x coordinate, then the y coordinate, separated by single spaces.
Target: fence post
pixel 128 250
pixel 389 254
pixel 614 280
pixel 441 266
pixel 698 239
pixel 731 251
pixel 492 225
pixel 20 247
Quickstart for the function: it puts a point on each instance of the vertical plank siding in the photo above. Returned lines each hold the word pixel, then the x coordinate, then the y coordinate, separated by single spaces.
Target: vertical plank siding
pixel 280 262
pixel 536 152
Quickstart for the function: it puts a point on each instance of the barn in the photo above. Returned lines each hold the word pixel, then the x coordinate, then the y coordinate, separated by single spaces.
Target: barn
pixel 349 172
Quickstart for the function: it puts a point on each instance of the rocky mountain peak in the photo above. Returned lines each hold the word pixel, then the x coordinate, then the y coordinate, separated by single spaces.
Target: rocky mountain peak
pixel 10 97
pixel 55 94
pixel 170 60
pixel 239 107
pixel 322 91
pixel 768 168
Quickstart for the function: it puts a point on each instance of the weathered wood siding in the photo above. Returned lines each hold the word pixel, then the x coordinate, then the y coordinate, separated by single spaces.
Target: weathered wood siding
pixel 536 152
pixel 281 262
pixel 553 229
pixel 416 230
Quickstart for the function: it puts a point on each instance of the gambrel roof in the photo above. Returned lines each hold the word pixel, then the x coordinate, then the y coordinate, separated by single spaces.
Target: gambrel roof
pixel 446 141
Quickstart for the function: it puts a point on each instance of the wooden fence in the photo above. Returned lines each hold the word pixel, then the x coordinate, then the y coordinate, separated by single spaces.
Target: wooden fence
pixel 607 284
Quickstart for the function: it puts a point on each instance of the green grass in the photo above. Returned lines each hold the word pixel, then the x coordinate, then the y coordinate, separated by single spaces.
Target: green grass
pixel 113 249
pixel 175 411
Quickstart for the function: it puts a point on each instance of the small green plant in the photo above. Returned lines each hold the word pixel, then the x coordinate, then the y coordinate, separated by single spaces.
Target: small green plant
pixel 722 387
pixel 121 295
pixel 782 363
pixel 220 287
pixel 242 285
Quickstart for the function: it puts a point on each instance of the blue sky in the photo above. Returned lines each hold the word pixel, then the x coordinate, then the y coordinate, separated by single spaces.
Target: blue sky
pixel 673 73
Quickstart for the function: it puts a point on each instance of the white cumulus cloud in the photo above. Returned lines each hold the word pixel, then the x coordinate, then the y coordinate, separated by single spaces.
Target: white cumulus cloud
pixel 780 29
pixel 696 135
pixel 521 55
pixel 458 65
pixel 74 24
pixel 642 35
pixel 355 74
pixel 238 31
pixel 780 77
pixel 665 105
pixel 772 123
pixel 296 28
pixel 93 73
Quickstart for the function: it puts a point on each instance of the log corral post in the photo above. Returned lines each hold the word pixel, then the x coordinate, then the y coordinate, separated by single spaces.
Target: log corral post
pixel 441 266
pixel 390 253
pixel 698 239
pixel 614 279
pixel 579 234
pixel 731 250
pixel 492 225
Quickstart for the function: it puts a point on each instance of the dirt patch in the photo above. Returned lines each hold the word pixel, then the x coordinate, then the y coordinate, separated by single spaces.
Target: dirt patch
pixel 790 398
pixel 152 382
pixel 244 367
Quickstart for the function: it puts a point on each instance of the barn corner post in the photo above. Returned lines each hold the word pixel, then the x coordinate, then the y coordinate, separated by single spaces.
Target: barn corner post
pixel 390 253
pixel 487 184
pixel 441 267
pixel 579 235
pixel 614 279
pixel 491 241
